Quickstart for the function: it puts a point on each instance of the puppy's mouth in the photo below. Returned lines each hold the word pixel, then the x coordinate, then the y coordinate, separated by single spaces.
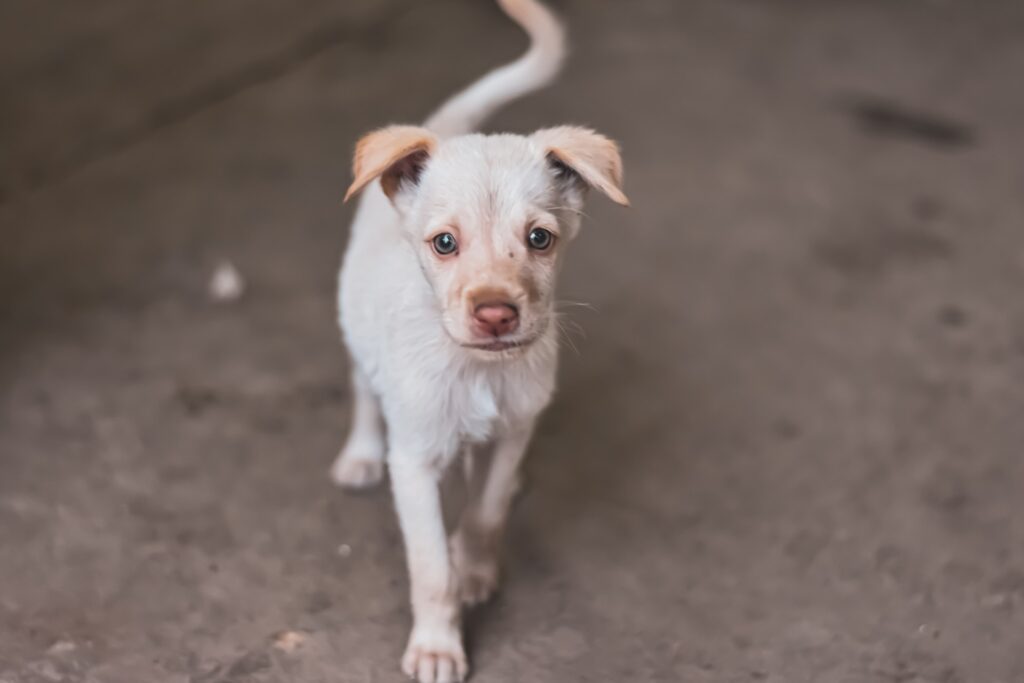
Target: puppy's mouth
pixel 498 345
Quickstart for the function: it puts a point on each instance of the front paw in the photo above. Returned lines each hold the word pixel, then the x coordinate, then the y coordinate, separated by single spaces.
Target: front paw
pixel 476 569
pixel 435 655
pixel 354 470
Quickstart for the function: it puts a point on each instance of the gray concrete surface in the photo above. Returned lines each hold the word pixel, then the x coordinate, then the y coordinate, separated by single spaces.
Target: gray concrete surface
pixel 789 447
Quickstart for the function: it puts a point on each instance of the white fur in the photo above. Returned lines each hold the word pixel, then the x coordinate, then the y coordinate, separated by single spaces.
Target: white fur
pixel 407 318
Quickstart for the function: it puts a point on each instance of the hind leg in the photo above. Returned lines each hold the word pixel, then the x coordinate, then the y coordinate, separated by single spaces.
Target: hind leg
pixel 476 543
pixel 361 462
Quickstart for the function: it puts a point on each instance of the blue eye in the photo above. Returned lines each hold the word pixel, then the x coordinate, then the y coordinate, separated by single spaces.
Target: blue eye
pixel 445 244
pixel 540 239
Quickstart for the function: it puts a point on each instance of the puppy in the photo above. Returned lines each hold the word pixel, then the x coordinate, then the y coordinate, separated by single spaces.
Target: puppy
pixel 447 308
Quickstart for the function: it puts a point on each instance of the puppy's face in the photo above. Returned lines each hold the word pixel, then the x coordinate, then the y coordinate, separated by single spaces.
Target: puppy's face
pixel 489 218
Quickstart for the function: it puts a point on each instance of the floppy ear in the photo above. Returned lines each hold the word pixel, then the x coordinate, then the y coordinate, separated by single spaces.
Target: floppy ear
pixel 396 155
pixel 590 155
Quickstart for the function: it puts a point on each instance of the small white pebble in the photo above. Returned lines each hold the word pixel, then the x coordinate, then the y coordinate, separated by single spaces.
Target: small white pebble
pixel 289 641
pixel 61 646
pixel 345 550
pixel 227 283
pixel 996 600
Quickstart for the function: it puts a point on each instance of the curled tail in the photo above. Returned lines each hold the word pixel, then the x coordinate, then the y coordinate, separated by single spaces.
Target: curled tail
pixel 466 110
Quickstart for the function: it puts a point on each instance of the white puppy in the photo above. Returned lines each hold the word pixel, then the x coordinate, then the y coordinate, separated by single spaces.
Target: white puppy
pixel 447 307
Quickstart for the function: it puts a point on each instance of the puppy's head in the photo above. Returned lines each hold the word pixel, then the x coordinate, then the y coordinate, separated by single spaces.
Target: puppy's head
pixel 489 218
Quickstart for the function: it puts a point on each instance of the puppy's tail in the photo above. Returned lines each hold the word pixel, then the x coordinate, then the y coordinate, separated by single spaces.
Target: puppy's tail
pixel 466 110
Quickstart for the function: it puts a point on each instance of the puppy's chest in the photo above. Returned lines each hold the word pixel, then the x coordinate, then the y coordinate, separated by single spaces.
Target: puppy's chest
pixel 487 402
pixel 480 405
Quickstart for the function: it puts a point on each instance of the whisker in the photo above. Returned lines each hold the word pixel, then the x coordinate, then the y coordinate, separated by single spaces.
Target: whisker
pixel 581 304
pixel 575 327
pixel 566 328
pixel 564 334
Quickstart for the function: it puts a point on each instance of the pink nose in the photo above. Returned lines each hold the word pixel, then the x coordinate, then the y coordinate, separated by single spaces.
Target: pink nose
pixel 496 319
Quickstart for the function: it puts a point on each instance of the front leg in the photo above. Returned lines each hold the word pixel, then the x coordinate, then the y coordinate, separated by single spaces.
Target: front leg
pixel 435 653
pixel 476 544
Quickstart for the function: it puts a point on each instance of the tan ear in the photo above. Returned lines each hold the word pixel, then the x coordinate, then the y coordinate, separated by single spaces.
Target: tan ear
pixel 593 156
pixel 393 154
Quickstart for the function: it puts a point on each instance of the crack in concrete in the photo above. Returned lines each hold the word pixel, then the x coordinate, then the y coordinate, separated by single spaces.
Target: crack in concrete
pixel 180 108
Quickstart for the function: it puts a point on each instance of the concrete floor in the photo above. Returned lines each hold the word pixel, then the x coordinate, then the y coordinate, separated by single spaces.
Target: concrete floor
pixel 788 449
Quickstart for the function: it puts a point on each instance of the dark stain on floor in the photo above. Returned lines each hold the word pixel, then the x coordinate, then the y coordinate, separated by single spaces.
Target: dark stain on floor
pixel 883 118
